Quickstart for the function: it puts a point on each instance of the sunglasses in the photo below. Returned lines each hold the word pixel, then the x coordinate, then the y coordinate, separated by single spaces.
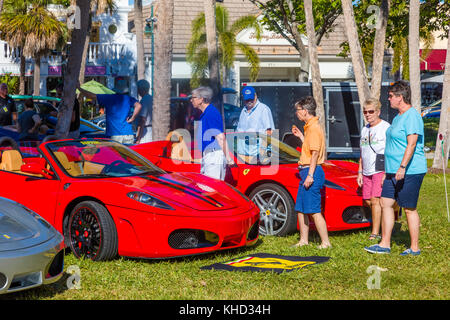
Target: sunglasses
pixel 369 111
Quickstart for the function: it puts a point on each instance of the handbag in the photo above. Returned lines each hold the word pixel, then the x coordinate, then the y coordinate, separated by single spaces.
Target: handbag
pixel 379 158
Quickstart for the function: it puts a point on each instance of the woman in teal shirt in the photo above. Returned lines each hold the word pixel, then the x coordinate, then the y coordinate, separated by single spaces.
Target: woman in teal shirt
pixel 405 165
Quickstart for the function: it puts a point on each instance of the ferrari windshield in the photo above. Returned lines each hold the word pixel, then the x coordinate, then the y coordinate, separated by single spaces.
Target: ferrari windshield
pixel 261 149
pixel 99 158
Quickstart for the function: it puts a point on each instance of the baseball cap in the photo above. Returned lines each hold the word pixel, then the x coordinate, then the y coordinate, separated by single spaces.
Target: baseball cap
pixel 248 93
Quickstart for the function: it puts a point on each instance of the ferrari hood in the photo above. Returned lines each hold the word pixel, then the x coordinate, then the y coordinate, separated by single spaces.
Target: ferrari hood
pixel 21 228
pixel 194 193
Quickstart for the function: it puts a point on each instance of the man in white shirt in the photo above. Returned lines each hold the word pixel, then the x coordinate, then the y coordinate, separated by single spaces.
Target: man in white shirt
pixel 255 117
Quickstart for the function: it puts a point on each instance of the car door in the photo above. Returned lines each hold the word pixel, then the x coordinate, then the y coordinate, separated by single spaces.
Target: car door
pixel 38 194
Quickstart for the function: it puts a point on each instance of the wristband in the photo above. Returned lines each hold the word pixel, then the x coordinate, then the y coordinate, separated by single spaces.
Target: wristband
pixel 403 167
pixel 310 175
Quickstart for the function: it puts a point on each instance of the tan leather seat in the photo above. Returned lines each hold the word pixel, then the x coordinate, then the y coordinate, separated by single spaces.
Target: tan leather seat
pixel 92 168
pixel 11 161
pixel 179 149
pixel 71 167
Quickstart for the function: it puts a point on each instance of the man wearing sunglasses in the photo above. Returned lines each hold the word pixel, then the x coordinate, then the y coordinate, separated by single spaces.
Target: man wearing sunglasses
pixel 210 135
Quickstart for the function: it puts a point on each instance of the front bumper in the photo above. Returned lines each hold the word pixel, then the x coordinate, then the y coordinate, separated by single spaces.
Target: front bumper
pixel 31 267
pixel 146 235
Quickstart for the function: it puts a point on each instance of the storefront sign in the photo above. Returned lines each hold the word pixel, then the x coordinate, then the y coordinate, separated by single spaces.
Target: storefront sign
pixel 89 71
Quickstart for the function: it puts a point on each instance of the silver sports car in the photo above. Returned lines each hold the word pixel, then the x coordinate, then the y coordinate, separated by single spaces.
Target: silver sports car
pixel 31 250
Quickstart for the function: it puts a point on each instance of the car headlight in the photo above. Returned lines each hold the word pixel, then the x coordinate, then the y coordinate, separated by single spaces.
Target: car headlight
pixel 149 200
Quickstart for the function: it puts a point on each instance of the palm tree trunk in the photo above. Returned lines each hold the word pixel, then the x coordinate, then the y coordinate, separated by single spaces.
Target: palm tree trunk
pixel 444 125
pixel 163 68
pixel 139 27
pixel 84 58
pixel 211 36
pixel 314 60
pixel 73 69
pixel 22 78
pixel 359 68
pixel 37 76
pixel 213 54
pixel 414 58
pixel 378 51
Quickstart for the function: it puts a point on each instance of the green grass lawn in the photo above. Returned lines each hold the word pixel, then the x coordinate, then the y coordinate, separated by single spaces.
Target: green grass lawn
pixel 344 277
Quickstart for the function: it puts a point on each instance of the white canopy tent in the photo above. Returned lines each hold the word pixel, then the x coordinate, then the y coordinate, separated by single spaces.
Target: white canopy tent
pixel 435 79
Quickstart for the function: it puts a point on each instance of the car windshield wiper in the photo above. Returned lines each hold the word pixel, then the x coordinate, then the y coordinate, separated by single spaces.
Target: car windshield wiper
pixel 98 175
pixel 152 172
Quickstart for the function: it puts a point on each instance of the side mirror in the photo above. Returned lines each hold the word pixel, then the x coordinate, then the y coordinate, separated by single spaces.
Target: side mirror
pixel 36 168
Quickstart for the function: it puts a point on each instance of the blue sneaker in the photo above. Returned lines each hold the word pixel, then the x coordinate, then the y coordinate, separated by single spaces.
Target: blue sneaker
pixel 377 249
pixel 409 252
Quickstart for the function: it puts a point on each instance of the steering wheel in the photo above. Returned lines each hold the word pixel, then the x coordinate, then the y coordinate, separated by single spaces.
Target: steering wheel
pixel 50 138
pixel 264 157
pixel 114 166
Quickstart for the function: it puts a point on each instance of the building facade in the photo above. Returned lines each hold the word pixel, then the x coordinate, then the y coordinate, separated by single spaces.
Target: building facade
pixel 111 54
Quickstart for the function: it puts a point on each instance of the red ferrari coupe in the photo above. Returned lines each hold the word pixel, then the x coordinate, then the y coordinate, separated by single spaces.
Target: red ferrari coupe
pixel 106 200
pixel 267 173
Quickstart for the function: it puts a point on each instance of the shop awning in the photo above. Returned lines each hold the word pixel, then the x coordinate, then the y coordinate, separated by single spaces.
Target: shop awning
pixel 435 60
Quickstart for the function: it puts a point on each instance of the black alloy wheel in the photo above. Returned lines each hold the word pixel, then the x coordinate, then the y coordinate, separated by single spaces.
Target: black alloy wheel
pixel 91 232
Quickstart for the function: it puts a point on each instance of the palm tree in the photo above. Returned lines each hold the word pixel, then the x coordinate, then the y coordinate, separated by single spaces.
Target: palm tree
pixel 414 59
pixel 355 50
pixel 27 24
pixel 97 7
pixel 197 53
pixel 71 81
pixel 211 41
pixel 139 27
pixel 163 68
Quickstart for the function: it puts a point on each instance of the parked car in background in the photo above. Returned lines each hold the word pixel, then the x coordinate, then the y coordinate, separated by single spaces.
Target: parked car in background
pixel 267 173
pixel 433 110
pixel 44 106
pixel 31 250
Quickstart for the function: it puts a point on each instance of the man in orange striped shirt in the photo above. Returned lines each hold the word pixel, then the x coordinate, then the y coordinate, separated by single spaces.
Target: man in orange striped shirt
pixel 312 176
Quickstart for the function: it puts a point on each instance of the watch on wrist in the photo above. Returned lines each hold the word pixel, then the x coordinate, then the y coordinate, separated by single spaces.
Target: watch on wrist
pixel 310 175
pixel 402 166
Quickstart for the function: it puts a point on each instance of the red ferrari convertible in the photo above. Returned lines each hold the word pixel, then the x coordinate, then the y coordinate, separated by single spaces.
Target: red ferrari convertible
pixel 267 173
pixel 106 199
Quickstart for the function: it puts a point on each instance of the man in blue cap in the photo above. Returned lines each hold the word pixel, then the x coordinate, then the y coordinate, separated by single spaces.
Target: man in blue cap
pixel 256 116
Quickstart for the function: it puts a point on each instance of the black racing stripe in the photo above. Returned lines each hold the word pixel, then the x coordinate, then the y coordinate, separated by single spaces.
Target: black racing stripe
pixel 181 189
pixel 191 188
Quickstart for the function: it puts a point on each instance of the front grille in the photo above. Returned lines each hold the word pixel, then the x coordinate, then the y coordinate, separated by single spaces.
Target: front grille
pixel 192 239
pixel 254 231
pixel 25 281
pixel 356 214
